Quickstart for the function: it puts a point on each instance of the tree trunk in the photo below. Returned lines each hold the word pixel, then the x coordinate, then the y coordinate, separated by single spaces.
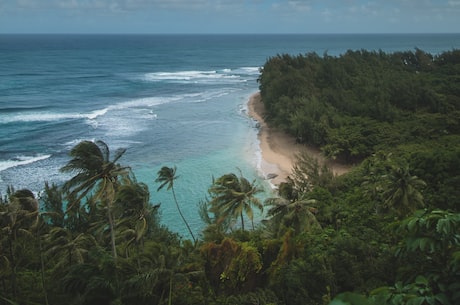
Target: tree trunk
pixel 42 265
pixel 13 269
pixel 183 218
pixel 112 232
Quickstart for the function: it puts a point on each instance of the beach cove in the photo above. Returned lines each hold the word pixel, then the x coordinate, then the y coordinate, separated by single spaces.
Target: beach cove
pixel 279 150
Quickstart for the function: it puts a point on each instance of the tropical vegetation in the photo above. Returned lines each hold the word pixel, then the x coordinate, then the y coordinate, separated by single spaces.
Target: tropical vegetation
pixel 387 232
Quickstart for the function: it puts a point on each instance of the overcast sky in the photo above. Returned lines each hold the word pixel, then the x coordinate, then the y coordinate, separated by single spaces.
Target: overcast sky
pixel 229 16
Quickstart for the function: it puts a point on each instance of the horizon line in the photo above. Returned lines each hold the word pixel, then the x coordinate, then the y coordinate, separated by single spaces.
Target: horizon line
pixel 224 34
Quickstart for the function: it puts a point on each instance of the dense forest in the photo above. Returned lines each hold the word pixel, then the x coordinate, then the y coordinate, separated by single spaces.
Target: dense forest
pixel 387 232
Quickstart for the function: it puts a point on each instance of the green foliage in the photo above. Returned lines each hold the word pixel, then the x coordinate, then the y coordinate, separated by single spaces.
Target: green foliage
pixel 232 266
pixel 308 174
pixel 433 238
pixel 231 196
pixel 402 190
pixel 52 200
pixel 417 293
pixel 436 163
pixel 259 296
pixel 348 298
pixel 360 102
pixel 296 215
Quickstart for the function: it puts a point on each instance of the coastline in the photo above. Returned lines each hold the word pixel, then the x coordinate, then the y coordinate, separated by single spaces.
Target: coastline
pixel 279 150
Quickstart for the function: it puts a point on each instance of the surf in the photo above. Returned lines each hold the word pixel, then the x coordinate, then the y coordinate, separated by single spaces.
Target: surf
pixel 21 160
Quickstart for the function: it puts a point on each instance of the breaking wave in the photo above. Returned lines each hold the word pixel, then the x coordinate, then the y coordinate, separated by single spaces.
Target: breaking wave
pixel 21 160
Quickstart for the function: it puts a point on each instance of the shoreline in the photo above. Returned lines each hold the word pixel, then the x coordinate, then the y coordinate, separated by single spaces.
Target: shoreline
pixel 279 150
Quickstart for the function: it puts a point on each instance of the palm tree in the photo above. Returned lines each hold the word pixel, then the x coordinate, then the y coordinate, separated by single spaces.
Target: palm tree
pixel 52 200
pixel 374 171
pixel 97 175
pixel 298 215
pixel 166 177
pixel 93 283
pixel 66 248
pixel 135 214
pixel 233 195
pixel 402 190
pixel 215 228
pixel 17 219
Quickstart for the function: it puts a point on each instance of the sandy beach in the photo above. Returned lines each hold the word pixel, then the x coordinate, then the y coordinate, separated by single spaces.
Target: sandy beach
pixel 279 150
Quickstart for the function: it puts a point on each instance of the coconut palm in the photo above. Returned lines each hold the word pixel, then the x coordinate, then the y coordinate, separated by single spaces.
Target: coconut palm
pixel 66 248
pixel 17 219
pixel 135 214
pixel 52 200
pixel 166 177
pixel 233 195
pixel 93 283
pixel 96 175
pixel 215 228
pixel 298 215
pixel 402 190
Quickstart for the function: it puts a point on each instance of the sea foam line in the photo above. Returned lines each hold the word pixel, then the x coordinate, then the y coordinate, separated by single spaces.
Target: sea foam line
pixel 141 102
pixel 21 160
pixel 50 116
pixel 93 115
pixel 197 76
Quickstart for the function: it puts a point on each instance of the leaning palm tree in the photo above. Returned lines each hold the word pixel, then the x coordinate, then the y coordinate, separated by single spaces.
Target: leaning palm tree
pixel 18 218
pixel 65 248
pixel 166 177
pixel 96 175
pixel 135 215
pixel 232 195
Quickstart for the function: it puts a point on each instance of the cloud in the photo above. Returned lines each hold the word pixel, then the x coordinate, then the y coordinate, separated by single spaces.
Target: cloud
pixel 301 6
pixel 196 15
pixel 128 5
pixel 337 7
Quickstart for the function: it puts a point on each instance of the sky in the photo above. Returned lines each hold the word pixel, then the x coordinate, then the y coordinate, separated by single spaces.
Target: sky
pixel 229 16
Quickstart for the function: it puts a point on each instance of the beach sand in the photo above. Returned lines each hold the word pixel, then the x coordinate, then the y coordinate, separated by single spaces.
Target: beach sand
pixel 279 150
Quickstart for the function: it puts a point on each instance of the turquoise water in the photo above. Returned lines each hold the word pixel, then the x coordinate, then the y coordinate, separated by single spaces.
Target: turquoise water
pixel 174 100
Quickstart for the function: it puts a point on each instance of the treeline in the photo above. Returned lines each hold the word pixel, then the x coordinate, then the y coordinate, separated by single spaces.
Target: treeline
pixel 388 232
pixel 362 102
pixel 369 237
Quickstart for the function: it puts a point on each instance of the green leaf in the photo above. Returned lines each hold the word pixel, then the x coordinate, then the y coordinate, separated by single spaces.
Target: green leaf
pixel 442 298
pixel 425 242
pixel 421 280
pixel 349 298
pixel 443 226
pixel 416 301
pixel 411 224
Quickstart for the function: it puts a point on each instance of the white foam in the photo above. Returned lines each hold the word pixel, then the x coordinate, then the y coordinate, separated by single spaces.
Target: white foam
pixel 72 143
pixel 145 102
pixel 208 95
pixel 50 116
pixel 248 70
pixel 180 75
pixel 38 117
pixel 194 76
pixel 91 116
pixel 21 160
pixel 96 113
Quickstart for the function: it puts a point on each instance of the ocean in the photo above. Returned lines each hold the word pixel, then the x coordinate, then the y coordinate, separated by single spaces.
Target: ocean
pixel 171 100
